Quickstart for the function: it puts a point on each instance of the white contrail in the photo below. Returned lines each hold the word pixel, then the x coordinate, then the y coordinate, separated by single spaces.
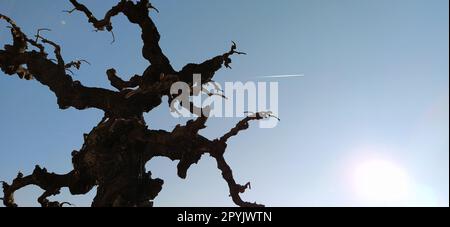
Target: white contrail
pixel 284 76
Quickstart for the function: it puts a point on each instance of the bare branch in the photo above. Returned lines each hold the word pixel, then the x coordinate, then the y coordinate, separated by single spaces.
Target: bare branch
pixel 120 84
pixel 70 93
pixel 136 13
pixel 57 48
pixel 243 125
pixel 69 11
pixel 38 33
pixel 235 189
pixel 49 182
pixel 76 64
pixel 208 68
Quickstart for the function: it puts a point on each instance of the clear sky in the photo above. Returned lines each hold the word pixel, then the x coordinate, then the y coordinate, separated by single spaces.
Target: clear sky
pixel 368 124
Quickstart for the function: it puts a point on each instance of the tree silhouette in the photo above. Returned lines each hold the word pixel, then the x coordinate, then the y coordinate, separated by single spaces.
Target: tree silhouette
pixel 115 152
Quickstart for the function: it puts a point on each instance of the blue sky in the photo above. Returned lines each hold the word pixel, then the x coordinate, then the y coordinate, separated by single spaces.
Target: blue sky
pixel 375 91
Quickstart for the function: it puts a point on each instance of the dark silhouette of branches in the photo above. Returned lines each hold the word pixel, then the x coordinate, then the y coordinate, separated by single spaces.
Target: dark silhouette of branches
pixel 115 152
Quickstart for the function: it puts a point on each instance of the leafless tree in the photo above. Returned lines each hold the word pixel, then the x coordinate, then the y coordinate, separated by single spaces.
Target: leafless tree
pixel 115 152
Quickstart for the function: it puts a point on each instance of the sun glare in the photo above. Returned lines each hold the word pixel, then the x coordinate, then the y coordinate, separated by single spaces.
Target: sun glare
pixel 381 181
